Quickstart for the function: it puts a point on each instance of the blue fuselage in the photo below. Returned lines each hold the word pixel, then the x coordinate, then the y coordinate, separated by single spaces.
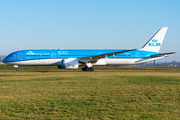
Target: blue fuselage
pixel 28 55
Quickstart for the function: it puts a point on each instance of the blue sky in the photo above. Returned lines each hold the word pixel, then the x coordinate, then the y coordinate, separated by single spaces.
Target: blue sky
pixel 123 24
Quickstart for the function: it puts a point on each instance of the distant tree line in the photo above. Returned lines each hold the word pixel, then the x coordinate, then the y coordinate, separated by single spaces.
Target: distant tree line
pixel 2 57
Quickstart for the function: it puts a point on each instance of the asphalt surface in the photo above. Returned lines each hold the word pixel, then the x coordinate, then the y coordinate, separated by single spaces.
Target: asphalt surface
pixel 90 71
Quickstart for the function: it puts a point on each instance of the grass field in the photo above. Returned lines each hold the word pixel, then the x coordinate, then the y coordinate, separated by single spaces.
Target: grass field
pixel 90 95
pixel 54 68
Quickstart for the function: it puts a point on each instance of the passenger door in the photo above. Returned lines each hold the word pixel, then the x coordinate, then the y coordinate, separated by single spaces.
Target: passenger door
pixel 53 55
pixel 19 56
pixel 137 55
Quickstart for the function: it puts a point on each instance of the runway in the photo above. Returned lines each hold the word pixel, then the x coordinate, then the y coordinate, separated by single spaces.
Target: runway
pixel 87 71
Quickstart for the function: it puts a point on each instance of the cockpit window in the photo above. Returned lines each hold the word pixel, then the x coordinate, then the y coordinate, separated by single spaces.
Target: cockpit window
pixel 9 55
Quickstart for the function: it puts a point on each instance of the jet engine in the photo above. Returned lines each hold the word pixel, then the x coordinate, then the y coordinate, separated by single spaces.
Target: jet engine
pixel 71 63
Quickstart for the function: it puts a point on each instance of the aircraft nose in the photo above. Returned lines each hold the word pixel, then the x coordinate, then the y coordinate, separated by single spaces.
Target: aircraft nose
pixel 4 60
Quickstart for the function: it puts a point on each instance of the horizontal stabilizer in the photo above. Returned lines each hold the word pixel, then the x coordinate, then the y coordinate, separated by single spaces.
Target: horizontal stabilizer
pixel 166 54
pixel 148 59
pixel 153 57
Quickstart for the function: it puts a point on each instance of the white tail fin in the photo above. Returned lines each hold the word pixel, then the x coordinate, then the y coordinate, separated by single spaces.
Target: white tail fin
pixel 155 43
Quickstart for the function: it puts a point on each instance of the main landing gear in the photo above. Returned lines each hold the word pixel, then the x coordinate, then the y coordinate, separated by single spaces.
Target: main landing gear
pixel 87 69
pixel 16 66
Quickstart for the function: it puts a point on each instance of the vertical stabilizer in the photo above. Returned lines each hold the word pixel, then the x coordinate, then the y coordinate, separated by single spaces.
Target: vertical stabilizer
pixel 155 43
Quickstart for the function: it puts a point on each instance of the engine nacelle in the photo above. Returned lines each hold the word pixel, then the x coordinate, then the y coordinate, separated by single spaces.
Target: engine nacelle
pixel 70 63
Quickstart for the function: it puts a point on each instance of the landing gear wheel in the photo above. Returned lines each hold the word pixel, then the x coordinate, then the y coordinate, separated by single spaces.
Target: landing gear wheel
pixel 87 69
pixel 17 69
pixel 83 69
pixel 91 69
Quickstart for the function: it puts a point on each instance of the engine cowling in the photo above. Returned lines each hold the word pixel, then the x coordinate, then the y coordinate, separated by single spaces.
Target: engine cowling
pixel 71 63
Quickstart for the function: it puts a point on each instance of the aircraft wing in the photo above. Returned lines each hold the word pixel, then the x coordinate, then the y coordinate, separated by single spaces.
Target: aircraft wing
pixel 166 54
pixel 96 57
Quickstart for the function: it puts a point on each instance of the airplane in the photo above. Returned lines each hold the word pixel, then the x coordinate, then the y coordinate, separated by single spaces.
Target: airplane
pixel 73 58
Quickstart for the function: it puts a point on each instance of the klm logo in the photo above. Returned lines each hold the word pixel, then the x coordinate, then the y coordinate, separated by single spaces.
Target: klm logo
pixel 30 53
pixel 154 43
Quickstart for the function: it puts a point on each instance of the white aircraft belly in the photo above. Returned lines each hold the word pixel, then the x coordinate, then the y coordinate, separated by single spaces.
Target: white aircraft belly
pixel 38 62
pixel 120 61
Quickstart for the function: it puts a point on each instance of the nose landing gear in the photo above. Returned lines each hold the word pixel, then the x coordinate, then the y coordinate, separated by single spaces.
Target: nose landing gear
pixel 16 66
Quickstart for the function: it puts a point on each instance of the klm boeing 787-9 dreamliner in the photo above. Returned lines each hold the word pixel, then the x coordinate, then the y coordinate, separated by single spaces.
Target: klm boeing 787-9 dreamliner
pixel 73 58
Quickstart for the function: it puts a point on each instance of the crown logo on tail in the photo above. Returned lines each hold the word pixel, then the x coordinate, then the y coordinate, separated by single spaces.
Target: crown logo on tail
pixel 154 40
